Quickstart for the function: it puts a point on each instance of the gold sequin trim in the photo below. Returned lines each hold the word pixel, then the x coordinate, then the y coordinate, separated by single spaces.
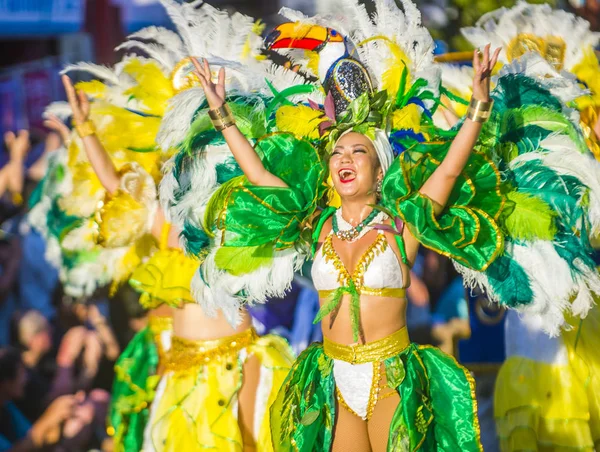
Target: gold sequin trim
pixel 377 247
pixel 343 403
pixel 157 325
pixel 187 354
pixel 385 292
pixel 374 394
pixel 376 351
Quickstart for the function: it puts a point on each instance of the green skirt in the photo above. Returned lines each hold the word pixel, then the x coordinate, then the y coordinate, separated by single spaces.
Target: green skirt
pixel 437 412
pixel 133 391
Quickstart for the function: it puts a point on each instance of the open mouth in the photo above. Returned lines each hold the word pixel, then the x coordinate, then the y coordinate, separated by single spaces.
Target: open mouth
pixel 346 175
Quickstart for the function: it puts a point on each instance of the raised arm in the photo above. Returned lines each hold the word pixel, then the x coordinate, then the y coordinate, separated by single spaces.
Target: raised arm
pixel 99 158
pixel 440 184
pixel 18 147
pixel 240 147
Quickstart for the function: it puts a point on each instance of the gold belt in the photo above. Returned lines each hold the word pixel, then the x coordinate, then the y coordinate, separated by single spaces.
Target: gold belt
pixel 186 353
pixel 385 292
pixel 370 352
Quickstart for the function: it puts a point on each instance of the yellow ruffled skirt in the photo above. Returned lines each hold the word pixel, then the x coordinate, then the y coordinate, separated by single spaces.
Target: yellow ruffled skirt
pixel 197 400
pixel 553 407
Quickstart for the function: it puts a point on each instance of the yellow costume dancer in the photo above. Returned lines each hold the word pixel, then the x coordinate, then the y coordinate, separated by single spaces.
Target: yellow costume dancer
pixel 199 406
pixel 546 393
pixel 200 376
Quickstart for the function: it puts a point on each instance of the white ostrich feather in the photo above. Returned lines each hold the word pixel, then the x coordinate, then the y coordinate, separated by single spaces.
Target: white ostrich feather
pixel 561 84
pixel 60 109
pixel 501 26
pixel 153 50
pixel 98 71
pixel 169 40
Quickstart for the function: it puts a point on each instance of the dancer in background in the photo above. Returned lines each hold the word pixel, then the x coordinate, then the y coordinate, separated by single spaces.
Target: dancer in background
pixel 217 380
pixel 546 391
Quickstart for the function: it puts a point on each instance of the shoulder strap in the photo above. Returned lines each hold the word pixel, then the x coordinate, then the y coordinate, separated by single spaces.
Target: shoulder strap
pixel 325 214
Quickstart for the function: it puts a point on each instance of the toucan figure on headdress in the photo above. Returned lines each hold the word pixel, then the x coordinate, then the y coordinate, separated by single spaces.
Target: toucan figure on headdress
pixel 343 76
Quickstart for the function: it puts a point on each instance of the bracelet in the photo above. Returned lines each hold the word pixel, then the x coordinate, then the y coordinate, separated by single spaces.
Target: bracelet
pixel 17 199
pixel 221 117
pixel 85 129
pixel 479 111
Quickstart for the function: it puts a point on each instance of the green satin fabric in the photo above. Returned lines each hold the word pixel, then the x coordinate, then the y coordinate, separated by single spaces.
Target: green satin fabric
pixel 258 220
pixel 133 391
pixel 437 410
pixel 467 229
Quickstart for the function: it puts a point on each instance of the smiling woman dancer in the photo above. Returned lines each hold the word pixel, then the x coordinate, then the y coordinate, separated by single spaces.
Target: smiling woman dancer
pixel 361 274
pixel 398 182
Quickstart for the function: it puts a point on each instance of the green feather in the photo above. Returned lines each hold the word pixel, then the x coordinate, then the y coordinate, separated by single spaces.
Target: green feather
pixel 509 282
pixel 529 217
pixel 196 239
pixel 218 201
pixel 240 260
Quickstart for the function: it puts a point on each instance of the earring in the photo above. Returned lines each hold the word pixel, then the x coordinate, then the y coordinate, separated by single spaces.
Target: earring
pixel 379 185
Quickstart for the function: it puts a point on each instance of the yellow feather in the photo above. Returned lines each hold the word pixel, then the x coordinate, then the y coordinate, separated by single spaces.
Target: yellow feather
pixel 313 61
pixel 588 71
pixel 408 117
pixel 333 198
pixel 95 88
pixel 153 88
pixel 390 79
pixel 257 30
pixel 300 120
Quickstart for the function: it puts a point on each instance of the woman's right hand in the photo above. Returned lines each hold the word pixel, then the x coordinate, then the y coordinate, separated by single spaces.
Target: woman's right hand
pixel 78 101
pixel 55 123
pixel 215 94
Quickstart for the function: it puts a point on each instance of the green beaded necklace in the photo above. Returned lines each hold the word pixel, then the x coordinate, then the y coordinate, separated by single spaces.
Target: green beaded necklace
pixel 350 235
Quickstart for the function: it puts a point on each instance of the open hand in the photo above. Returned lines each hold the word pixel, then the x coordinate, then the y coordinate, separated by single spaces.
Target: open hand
pixel 483 70
pixel 18 145
pixel 55 123
pixel 78 101
pixel 215 94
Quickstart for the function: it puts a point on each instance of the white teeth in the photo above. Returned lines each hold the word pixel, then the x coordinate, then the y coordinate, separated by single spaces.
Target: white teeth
pixel 345 174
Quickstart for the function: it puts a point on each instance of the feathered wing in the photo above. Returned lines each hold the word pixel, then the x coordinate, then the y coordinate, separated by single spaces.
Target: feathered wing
pixel 544 271
pixel 127 102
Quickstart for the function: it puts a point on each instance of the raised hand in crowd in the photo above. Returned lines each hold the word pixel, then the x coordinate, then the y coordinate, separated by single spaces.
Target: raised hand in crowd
pixel 12 175
pixel 46 431
pixel 54 123
pixel 105 333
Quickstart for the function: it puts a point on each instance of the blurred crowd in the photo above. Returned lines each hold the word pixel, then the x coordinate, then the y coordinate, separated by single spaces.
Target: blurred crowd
pixel 57 352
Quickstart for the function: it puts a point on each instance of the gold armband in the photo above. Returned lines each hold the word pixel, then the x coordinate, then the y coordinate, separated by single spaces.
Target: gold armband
pixel 480 111
pixel 85 129
pixel 221 117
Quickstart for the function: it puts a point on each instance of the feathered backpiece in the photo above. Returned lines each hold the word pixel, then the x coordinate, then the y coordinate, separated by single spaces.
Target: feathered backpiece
pixel 561 38
pixel 521 213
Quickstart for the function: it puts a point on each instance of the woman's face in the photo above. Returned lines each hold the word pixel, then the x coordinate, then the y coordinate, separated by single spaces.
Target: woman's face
pixel 354 166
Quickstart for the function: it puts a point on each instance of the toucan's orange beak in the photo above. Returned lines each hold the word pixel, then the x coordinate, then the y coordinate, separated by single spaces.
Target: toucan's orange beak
pixel 294 35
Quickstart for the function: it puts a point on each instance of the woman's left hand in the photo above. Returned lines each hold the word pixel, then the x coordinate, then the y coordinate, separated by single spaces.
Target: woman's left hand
pixel 483 70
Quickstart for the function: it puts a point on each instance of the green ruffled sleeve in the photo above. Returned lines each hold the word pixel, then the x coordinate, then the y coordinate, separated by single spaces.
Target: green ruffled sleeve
pixel 256 220
pixel 467 229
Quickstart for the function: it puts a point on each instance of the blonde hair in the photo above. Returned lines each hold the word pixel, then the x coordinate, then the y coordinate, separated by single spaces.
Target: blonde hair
pixel 32 323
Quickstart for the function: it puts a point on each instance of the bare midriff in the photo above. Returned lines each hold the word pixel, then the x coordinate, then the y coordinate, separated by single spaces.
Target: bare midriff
pixel 379 317
pixel 191 322
pixel 162 311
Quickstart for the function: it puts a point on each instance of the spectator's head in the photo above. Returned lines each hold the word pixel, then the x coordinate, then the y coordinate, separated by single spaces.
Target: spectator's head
pixel 81 311
pixel 35 333
pixel 12 374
